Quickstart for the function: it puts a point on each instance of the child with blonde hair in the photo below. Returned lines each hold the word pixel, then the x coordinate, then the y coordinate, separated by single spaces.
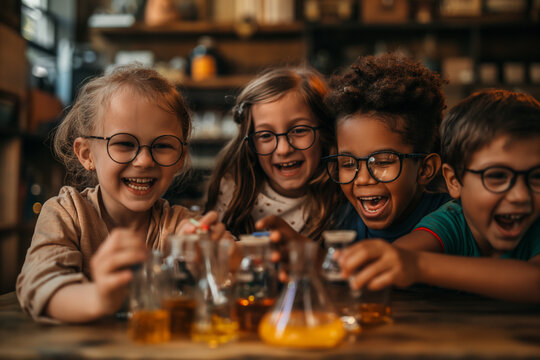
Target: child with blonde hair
pixel 126 138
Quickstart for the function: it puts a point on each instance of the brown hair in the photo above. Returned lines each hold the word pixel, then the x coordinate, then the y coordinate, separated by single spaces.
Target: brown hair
pixel 476 120
pixel 239 161
pixel 94 97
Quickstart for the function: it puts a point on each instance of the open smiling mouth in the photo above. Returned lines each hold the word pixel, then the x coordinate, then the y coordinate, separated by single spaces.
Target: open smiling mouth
pixel 373 204
pixel 140 184
pixel 291 165
pixel 510 222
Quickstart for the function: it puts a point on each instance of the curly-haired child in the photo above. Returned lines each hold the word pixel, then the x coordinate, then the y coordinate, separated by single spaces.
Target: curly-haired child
pixel 388 111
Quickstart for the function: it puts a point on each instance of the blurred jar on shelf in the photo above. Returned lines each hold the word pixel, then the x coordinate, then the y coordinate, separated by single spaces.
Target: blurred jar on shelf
pixel 204 60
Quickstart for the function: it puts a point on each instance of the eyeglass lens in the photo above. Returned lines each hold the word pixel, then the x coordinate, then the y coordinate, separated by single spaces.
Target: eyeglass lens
pixel 502 179
pixel 165 150
pixel 299 137
pixel 384 167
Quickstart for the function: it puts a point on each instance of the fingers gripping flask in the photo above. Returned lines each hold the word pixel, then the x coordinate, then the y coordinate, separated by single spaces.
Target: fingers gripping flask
pixel 256 281
pixel 302 316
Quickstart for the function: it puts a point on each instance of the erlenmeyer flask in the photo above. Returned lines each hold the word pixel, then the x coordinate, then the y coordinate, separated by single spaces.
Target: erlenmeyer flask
pixel 338 288
pixel 148 321
pixel 179 297
pixel 255 281
pixel 302 316
pixel 214 319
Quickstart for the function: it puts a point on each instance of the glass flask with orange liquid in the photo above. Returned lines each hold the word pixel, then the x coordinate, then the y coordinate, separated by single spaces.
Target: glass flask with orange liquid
pixel 179 298
pixel 148 321
pixel 214 323
pixel 303 316
pixel 337 287
pixel 255 281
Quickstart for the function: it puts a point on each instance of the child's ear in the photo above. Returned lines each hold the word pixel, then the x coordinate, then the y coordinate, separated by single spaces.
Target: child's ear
pixel 429 169
pixel 452 181
pixel 81 147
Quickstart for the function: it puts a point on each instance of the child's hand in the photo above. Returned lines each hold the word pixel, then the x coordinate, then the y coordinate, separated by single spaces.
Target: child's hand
pixel 110 268
pixel 378 264
pixel 217 229
pixel 281 234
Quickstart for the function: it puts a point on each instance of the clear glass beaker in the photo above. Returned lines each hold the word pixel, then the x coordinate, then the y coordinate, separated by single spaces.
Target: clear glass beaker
pixel 303 315
pixel 148 321
pixel 214 322
pixel 179 297
pixel 338 288
pixel 255 281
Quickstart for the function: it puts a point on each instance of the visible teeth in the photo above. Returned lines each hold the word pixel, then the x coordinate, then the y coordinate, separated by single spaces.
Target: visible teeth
pixel 512 216
pixel 138 187
pixel 290 163
pixel 370 198
pixel 140 180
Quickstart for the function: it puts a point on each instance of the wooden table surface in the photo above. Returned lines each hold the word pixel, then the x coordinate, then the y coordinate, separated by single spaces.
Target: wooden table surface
pixel 427 325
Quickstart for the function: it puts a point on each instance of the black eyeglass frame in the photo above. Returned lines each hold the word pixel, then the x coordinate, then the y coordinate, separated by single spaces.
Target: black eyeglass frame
pixel 400 156
pixel 139 146
pixel 249 138
pixel 515 174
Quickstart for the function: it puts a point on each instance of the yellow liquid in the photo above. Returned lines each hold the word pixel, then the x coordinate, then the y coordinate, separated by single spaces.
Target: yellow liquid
pixel 215 332
pixel 327 334
pixel 373 314
pixel 150 326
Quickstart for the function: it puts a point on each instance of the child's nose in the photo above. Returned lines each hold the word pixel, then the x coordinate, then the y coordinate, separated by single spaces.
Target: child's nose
pixel 144 158
pixel 363 177
pixel 283 146
pixel 520 192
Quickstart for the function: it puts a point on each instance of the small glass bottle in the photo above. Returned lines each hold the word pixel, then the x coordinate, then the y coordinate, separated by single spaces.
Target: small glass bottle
pixel 179 298
pixel 302 316
pixel 148 321
pixel 338 288
pixel 214 319
pixel 255 281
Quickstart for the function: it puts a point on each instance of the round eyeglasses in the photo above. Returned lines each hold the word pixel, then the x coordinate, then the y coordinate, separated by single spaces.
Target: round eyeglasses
pixel 265 142
pixel 123 148
pixel 499 179
pixel 383 166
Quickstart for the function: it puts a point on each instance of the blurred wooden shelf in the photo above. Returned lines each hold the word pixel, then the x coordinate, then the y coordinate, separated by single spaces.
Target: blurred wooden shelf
pixel 196 28
pixel 218 83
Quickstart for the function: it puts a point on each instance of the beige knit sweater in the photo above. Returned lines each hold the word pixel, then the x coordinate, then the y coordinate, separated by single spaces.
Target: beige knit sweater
pixel 68 232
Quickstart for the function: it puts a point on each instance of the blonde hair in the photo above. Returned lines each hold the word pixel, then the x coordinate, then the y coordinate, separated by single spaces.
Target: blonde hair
pixel 94 97
pixel 240 162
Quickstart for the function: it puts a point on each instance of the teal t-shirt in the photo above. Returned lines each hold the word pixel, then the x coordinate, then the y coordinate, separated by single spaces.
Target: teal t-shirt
pixel 449 226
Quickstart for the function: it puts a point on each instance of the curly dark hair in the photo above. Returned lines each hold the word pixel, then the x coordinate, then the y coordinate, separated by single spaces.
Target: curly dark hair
pixel 390 85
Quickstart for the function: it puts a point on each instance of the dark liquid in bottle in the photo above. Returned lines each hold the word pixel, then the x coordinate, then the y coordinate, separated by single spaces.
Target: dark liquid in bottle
pixel 251 311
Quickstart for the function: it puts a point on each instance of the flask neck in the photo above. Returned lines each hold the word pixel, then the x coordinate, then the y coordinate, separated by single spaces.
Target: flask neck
pixel 302 257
